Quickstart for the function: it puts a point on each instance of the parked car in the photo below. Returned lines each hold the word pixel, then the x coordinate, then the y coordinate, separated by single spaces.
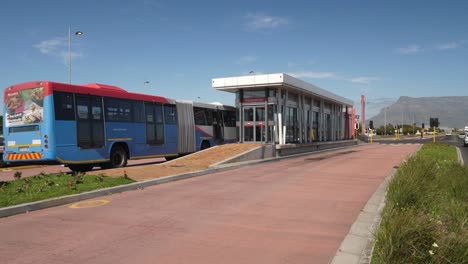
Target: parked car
pixel 465 141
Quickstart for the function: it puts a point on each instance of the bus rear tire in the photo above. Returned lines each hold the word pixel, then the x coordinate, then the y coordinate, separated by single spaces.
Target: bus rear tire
pixel 118 158
pixel 80 167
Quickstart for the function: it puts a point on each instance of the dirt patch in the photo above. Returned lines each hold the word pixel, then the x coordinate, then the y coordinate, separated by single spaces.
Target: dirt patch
pixel 190 163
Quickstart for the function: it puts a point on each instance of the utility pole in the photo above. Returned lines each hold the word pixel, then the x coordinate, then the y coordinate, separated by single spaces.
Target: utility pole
pixel 402 119
pixel 78 33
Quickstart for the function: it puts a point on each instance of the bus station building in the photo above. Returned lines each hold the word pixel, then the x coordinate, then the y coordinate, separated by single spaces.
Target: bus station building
pixel 280 109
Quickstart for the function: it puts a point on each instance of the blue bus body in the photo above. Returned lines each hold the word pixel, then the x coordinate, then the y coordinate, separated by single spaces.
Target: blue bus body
pixel 100 125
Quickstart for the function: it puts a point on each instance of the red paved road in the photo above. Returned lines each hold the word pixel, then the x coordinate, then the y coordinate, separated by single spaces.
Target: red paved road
pixel 291 211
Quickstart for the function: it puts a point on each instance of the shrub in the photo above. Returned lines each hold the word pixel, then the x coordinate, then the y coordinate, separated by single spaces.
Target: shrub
pixel 17 175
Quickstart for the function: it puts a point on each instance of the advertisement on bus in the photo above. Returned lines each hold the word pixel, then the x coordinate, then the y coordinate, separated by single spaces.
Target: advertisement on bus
pixel 24 107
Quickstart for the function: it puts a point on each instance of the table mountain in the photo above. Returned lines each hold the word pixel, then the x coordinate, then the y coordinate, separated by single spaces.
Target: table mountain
pixel 452 111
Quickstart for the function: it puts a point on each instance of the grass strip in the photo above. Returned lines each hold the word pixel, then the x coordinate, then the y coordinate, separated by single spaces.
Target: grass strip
pixel 425 219
pixel 45 186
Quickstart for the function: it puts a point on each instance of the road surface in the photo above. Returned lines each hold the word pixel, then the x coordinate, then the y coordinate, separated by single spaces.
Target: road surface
pixel 295 210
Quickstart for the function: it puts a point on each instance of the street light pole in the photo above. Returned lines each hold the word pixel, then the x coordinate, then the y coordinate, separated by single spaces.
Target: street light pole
pixel 147 83
pixel 78 33
pixel 69 55
pixel 385 126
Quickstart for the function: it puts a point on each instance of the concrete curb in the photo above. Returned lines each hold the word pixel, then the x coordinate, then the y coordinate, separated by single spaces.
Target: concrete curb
pixel 217 164
pixel 33 206
pixel 460 157
pixel 358 245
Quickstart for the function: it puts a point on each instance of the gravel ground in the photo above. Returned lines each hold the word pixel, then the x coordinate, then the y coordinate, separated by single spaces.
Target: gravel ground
pixel 190 163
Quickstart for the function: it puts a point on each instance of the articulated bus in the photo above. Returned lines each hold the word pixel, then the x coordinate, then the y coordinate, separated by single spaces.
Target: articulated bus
pixel 82 126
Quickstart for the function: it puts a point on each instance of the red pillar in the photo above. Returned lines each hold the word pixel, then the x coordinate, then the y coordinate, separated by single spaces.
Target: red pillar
pixel 346 125
pixel 363 114
pixel 353 123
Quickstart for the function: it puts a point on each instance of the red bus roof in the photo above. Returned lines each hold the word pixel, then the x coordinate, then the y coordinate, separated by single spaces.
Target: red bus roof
pixel 91 88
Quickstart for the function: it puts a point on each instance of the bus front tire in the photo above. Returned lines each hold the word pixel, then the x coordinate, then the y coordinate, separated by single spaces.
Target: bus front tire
pixel 118 159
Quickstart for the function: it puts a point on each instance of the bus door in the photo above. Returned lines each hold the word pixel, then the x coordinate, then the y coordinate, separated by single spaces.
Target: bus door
pixel 254 123
pixel 90 122
pixel 218 127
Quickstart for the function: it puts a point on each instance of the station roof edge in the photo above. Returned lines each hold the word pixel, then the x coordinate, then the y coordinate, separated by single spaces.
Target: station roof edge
pixel 232 84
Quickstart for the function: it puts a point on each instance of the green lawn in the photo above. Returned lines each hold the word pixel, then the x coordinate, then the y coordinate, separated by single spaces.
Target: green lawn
pixel 42 187
pixel 425 219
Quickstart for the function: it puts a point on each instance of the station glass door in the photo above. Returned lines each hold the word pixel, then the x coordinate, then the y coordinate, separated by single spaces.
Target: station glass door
pixel 254 123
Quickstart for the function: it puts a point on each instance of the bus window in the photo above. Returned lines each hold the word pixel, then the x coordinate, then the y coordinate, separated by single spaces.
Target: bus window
pixel 118 110
pixel 209 117
pixel 63 103
pixel 229 118
pixel 90 125
pixel 199 116
pixel 159 124
pixel 170 114
pixel 138 111
pixel 154 124
pixel 23 129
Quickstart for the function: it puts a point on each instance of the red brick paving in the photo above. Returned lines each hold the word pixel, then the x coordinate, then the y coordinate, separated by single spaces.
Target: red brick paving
pixel 291 211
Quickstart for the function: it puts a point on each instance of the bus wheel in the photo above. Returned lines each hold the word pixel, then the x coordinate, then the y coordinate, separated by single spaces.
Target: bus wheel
pixel 171 158
pixel 205 144
pixel 80 167
pixel 118 158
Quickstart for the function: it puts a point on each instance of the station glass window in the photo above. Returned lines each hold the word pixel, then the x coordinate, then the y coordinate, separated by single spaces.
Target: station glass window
pixel 259 114
pixel 292 97
pixel 254 93
pixel 271 112
pixel 292 125
pixel 271 92
pixel 315 124
pixel 248 114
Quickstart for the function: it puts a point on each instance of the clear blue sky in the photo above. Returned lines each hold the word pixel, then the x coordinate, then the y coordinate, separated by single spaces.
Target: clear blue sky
pixel 383 49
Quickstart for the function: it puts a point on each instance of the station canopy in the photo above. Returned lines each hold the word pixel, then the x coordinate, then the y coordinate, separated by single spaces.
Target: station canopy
pixel 234 84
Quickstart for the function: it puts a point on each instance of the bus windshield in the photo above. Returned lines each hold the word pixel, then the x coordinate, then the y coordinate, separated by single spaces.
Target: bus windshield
pixel 24 107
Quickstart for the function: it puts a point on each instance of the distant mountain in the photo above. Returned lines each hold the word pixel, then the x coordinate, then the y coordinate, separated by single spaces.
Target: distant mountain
pixel 374 105
pixel 452 111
